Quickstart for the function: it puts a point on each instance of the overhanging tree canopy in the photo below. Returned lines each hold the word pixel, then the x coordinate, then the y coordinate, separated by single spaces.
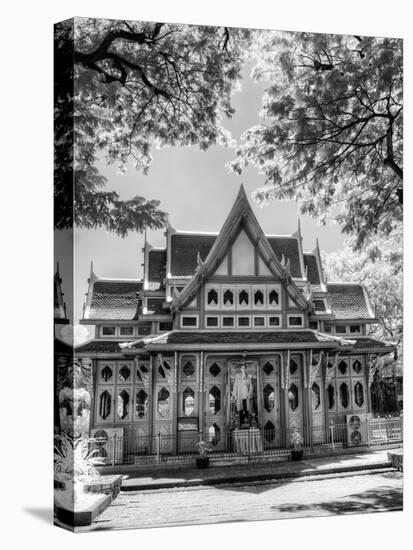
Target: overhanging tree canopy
pixel 122 87
pixel 332 137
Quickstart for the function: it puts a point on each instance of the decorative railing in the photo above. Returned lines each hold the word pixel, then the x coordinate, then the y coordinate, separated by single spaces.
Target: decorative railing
pixel 249 444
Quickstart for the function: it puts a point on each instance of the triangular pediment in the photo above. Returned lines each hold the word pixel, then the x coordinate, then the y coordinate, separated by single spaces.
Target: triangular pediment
pixel 241 232
pixel 243 255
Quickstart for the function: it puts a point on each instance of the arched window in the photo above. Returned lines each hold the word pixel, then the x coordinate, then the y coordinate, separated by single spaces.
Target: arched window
pixel 315 394
pixel 141 403
pixel 268 398
pixel 359 394
pixel 274 298
pixel 123 404
pixel 259 298
pixel 105 404
pixel 124 373
pixel 357 366
pixel 163 403
pixel 344 395
pixel 214 400
pixel 331 396
pixel 243 298
pixel 342 367
pixel 293 397
pixel 293 366
pixel 268 368
pixel 106 373
pixel 188 402
pixel 188 369
pixel 212 297
pixel 214 370
pixel 228 298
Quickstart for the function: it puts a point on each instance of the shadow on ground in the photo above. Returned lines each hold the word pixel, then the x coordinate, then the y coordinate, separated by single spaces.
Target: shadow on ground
pixel 385 498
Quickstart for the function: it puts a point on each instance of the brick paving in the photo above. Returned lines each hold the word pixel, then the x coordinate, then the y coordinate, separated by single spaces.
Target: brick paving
pixel 323 495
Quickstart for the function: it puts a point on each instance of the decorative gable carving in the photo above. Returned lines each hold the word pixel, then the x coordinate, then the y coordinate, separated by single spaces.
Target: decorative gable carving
pixel 242 230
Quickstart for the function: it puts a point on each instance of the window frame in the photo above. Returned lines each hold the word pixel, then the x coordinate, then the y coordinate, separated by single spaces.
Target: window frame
pixel 228 317
pixel 163 329
pixel 269 325
pixel 208 289
pixel 269 289
pixel 247 289
pixel 122 327
pixel 217 317
pixel 255 289
pixel 196 325
pixel 264 325
pixel 244 317
pixel 298 316
pixel 103 327
pixel 232 289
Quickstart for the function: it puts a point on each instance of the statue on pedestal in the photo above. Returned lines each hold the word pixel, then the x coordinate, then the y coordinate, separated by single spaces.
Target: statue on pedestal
pixel 243 390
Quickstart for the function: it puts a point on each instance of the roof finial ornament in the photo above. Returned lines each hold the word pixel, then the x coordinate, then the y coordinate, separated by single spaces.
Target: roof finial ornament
pixel 92 276
pixel 283 259
pixel 199 262
pixel 287 267
pixel 308 290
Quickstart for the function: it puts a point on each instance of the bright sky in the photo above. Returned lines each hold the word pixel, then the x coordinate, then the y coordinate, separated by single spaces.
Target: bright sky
pixel 197 191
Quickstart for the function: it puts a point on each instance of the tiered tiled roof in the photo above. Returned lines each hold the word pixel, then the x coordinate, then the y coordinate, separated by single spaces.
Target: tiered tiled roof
pixel 184 252
pixel 245 338
pixel 372 345
pixel 348 301
pixel 114 300
pixel 287 247
pixel 310 262
pixel 99 346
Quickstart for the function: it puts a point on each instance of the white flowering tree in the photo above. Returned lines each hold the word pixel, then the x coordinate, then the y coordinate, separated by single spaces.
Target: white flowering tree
pixel 123 87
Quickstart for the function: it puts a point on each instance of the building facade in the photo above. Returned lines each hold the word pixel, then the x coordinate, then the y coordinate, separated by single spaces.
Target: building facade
pixel 227 334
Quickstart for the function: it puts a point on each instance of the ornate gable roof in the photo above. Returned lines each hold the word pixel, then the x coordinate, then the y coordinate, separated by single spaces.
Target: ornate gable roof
pixel 240 216
pixel 184 251
pixel 112 299
pixel 310 262
pixel 349 301
pixel 288 248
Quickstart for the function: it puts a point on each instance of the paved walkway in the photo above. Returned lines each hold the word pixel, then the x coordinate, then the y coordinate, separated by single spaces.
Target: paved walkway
pixel 321 495
pixel 163 479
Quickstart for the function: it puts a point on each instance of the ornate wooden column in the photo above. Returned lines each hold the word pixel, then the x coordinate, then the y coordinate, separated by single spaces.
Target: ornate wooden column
pixel 329 375
pixel 175 401
pixel 307 416
pixel 324 382
pixel 370 367
pixel 201 395
pixel 285 382
pixel 151 404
